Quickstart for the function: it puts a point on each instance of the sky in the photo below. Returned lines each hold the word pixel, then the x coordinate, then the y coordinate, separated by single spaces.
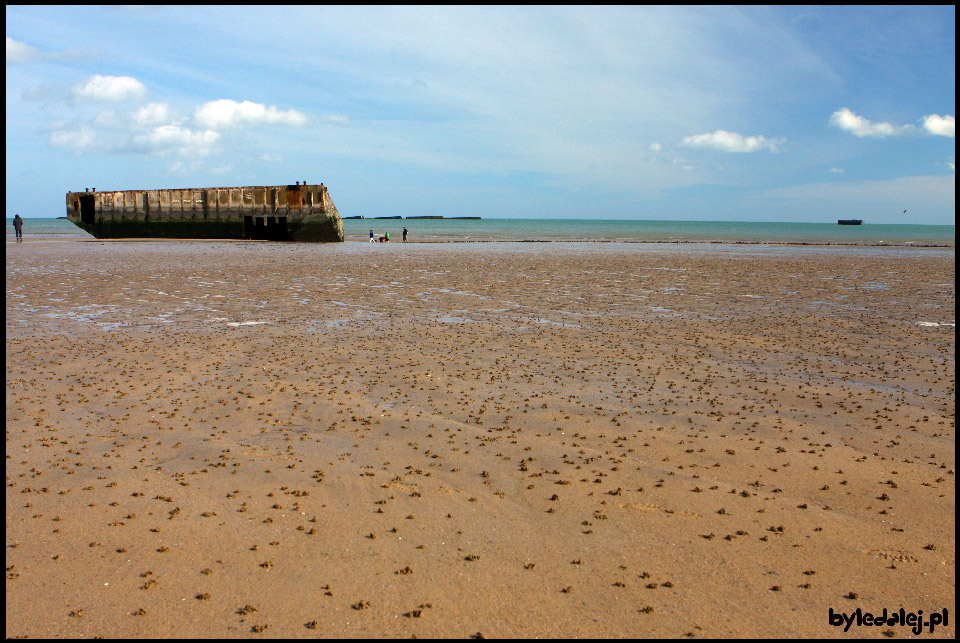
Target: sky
pixel 800 114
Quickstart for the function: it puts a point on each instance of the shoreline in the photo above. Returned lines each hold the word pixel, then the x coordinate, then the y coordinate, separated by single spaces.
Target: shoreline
pixel 537 231
pixel 690 241
pixel 443 241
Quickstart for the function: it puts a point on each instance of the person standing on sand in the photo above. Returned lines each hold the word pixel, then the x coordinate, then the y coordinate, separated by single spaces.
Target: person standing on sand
pixel 371 237
pixel 404 234
pixel 386 236
pixel 18 227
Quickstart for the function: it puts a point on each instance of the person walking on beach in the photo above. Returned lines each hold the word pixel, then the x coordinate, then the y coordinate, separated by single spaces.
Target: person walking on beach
pixel 18 227
pixel 386 236
pixel 371 237
pixel 404 234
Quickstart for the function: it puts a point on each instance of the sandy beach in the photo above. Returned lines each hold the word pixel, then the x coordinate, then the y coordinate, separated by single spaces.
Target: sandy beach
pixel 241 439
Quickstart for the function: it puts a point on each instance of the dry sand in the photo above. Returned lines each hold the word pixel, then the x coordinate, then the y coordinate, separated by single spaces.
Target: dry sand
pixel 564 440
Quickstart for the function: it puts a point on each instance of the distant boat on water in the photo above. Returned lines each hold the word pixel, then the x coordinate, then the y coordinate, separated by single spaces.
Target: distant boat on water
pixel 850 222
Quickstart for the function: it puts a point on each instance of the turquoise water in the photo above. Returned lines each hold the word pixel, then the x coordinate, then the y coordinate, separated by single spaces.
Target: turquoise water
pixel 608 230
pixel 591 230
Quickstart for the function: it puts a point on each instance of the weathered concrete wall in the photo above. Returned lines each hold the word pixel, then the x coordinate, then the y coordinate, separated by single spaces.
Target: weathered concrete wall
pixel 292 212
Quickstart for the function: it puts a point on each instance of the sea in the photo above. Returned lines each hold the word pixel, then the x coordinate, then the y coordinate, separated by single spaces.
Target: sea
pixel 593 230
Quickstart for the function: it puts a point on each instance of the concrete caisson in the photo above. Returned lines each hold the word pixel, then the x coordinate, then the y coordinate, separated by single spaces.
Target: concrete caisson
pixel 297 212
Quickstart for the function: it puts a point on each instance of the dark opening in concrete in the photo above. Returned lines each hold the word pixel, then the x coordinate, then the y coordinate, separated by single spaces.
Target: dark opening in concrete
pixel 265 228
pixel 87 209
pixel 276 229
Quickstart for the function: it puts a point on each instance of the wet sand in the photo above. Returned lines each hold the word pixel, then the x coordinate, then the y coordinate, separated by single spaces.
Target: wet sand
pixel 503 440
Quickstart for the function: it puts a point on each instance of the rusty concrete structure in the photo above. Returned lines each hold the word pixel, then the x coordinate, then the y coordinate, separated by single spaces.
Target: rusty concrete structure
pixel 298 212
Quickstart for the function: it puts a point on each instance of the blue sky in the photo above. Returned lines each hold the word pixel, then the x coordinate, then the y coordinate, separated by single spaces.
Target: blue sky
pixel 750 113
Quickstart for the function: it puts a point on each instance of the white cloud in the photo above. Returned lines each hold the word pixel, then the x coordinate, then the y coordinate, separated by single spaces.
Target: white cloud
pixel 110 134
pixel 336 119
pixel 836 170
pixel 184 140
pixel 155 129
pixel 80 140
pixel 859 126
pixel 939 125
pixel 655 147
pixel 152 114
pixel 224 113
pixel 18 52
pixel 21 52
pixel 732 142
pixel 109 88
